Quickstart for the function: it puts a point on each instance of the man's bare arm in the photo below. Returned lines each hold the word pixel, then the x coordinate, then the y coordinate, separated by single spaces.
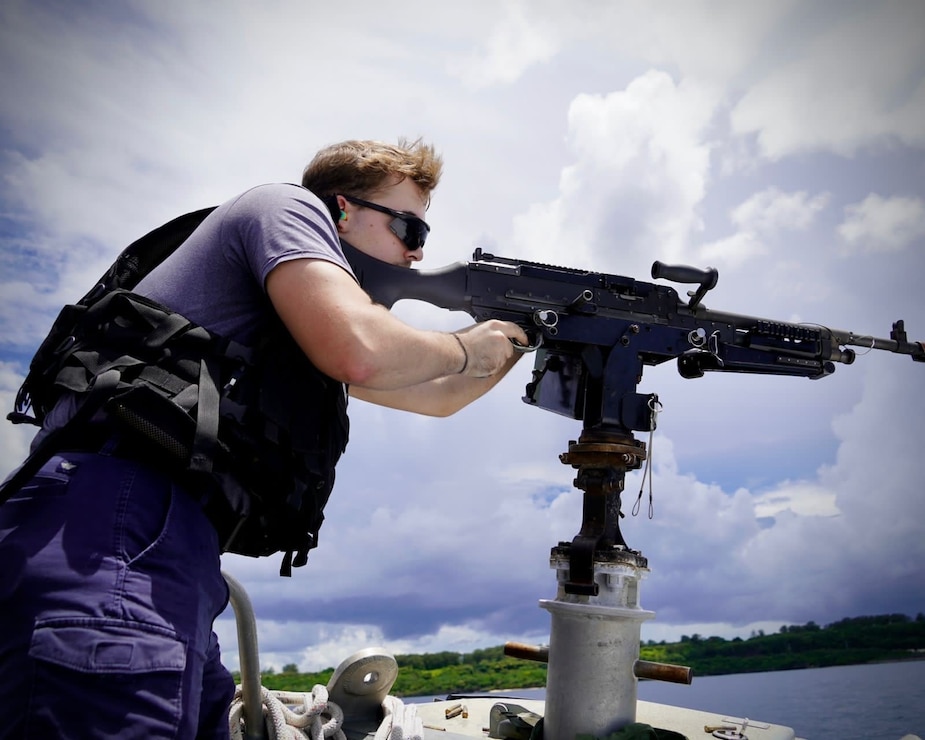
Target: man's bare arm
pixel 440 397
pixel 353 340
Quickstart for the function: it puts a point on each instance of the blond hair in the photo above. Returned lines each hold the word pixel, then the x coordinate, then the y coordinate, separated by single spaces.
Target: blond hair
pixel 360 168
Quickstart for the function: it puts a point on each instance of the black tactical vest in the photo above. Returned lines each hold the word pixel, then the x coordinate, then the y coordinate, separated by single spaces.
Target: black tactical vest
pixel 255 431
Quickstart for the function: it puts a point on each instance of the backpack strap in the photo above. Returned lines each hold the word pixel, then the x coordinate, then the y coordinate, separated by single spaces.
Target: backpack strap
pixel 205 438
pixel 59 438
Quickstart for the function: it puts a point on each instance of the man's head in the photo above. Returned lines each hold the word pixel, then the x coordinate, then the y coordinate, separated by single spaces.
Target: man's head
pixel 361 168
pixel 361 180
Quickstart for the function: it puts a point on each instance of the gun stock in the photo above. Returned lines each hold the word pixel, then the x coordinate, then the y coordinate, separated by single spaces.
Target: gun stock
pixel 387 284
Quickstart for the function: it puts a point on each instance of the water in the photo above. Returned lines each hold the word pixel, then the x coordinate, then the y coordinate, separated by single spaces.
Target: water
pixel 880 701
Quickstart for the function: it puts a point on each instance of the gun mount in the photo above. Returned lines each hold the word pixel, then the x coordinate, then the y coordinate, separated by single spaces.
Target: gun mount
pixel 594 333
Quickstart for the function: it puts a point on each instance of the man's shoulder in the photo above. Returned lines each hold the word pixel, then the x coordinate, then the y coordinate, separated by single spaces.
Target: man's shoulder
pixel 277 193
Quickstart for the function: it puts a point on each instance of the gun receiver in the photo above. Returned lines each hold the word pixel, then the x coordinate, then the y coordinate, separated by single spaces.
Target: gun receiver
pixel 595 333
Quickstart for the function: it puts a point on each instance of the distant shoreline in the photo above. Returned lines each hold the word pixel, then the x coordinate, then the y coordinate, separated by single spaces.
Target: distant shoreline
pixel 515 689
pixel 890 638
pixel 917 655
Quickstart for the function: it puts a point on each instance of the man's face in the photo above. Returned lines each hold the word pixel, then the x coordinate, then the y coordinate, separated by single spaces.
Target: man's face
pixel 368 230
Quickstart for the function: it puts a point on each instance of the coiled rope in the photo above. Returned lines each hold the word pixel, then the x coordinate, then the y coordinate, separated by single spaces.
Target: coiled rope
pixel 401 721
pixel 292 715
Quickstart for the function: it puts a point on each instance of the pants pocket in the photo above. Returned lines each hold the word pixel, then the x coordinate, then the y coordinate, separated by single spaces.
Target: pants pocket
pixel 122 679
pixel 50 482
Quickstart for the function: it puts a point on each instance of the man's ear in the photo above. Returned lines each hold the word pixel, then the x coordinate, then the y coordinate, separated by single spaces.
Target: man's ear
pixel 341 219
pixel 335 204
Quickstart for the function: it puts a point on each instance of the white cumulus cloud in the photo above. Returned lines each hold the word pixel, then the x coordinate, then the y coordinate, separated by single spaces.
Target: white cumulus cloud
pixel 856 83
pixel 640 169
pixel 882 225
pixel 515 42
pixel 765 214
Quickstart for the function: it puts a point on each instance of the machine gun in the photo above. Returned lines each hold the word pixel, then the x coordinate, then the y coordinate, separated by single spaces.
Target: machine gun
pixel 594 333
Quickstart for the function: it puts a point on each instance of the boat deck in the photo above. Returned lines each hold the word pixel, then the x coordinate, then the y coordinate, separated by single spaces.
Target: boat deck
pixel 689 722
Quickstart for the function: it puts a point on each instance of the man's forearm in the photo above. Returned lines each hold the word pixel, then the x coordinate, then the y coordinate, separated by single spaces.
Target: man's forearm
pixel 440 397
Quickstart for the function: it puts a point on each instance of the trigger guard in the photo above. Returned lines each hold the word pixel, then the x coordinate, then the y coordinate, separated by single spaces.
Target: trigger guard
pixel 523 349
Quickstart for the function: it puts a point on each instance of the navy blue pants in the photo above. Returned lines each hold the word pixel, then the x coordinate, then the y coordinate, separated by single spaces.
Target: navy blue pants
pixel 109 583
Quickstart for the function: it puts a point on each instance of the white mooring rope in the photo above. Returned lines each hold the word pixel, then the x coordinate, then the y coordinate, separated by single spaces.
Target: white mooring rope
pixel 401 721
pixel 290 715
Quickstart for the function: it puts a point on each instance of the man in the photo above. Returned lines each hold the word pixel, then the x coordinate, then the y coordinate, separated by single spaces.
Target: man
pixel 109 564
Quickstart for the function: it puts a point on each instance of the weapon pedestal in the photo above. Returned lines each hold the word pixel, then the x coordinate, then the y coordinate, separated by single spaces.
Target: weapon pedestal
pixel 596 617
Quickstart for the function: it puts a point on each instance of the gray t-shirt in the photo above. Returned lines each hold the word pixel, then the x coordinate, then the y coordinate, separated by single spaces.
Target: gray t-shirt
pixel 217 277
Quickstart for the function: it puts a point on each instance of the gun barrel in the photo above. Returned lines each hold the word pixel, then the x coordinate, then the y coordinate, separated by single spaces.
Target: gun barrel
pixel 899 346
pixel 839 339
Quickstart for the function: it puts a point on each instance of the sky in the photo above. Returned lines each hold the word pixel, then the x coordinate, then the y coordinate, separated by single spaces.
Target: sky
pixel 781 143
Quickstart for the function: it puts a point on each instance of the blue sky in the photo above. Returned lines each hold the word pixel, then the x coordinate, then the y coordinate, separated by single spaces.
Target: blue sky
pixel 781 143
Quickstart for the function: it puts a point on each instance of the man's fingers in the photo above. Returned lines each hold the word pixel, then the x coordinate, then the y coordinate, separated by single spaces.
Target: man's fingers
pixel 529 346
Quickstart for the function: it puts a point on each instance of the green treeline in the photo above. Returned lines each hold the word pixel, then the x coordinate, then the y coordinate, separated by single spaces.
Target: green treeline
pixel 849 641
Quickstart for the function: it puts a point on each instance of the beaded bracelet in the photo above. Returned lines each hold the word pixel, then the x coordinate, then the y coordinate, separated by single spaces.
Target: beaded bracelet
pixel 465 355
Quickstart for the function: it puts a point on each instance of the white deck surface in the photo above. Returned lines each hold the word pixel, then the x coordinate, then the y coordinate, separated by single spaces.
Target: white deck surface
pixel 686 721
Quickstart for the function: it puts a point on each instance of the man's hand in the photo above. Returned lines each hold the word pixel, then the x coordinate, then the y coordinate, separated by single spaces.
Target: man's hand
pixel 488 347
pixel 484 344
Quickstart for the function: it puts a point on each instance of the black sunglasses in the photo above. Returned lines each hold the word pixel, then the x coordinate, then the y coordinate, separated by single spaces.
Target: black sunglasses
pixel 406 226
